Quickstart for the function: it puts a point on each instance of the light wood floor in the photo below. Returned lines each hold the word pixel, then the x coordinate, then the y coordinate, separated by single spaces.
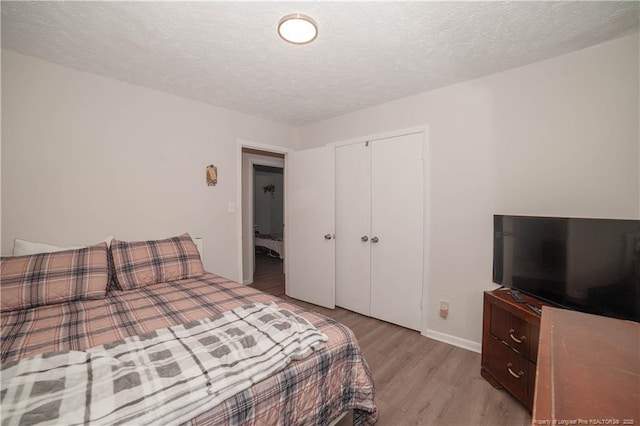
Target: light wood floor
pixel 419 381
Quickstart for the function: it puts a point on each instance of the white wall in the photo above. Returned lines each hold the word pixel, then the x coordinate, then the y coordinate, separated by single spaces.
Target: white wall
pixel 85 156
pixel 558 137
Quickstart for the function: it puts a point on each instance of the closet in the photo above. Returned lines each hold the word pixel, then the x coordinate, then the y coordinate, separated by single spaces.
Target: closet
pixel 379 204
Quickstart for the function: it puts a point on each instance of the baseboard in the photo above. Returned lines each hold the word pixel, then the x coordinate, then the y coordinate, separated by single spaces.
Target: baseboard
pixel 453 340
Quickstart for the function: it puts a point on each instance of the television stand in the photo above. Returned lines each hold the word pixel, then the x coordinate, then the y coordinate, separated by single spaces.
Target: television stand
pixel 510 331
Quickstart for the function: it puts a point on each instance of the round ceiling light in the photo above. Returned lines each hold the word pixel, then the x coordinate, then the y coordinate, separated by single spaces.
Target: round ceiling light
pixel 298 28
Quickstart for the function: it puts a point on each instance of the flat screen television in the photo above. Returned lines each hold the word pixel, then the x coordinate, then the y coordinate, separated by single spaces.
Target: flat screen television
pixel 590 265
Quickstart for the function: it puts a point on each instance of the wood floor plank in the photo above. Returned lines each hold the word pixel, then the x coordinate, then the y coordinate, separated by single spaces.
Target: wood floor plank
pixel 429 402
pixel 388 414
pixel 419 381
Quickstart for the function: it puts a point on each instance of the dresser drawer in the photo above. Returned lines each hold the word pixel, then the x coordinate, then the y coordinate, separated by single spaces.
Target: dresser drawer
pixel 514 372
pixel 516 332
pixel 510 332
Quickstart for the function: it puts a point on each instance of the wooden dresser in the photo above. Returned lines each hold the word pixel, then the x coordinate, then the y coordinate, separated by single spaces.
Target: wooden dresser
pixel 588 370
pixel 510 333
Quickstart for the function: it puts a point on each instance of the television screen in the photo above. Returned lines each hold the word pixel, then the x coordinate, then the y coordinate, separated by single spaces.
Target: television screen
pixel 591 265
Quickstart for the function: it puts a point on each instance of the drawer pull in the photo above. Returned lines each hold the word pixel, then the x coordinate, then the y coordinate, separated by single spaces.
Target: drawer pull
pixel 517 375
pixel 515 339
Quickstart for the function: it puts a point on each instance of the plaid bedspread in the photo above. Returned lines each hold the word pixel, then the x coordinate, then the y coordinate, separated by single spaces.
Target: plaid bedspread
pixel 167 375
pixel 312 391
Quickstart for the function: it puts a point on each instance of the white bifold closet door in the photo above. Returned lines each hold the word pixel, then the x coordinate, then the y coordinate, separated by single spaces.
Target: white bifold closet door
pixel 397 218
pixel 353 228
pixel 379 228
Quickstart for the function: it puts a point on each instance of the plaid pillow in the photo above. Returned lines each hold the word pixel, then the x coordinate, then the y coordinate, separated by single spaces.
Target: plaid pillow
pixel 141 263
pixel 49 278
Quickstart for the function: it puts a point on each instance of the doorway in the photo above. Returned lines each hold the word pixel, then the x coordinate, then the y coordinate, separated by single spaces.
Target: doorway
pixel 262 213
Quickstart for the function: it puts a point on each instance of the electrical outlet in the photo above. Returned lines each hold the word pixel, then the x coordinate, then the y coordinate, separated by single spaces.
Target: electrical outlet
pixel 444 308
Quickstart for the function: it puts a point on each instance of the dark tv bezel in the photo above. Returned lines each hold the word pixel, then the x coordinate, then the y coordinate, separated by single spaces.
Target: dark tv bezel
pixel 561 304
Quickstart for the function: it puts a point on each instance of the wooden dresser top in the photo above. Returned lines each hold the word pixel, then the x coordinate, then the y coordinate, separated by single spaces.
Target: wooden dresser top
pixel 588 370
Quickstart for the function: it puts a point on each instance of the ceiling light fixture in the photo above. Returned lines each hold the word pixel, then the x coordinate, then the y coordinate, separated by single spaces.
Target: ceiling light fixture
pixel 298 28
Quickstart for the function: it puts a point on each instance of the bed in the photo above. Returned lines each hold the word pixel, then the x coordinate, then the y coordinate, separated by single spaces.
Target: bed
pixel 149 293
pixel 272 242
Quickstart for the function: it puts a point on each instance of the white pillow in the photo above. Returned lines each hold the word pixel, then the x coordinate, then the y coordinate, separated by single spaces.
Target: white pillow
pixel 23 247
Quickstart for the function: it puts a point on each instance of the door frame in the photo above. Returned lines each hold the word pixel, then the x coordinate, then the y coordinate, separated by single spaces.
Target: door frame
pixel 251 206
pixel 241 143
pixel 385 135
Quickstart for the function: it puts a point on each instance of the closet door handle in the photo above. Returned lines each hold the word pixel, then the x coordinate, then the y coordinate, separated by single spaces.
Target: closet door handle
pixel 375 240
pixel 364 238
pixel 328 236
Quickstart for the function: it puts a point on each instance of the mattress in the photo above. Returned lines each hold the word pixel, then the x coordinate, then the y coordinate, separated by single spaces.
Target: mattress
pixel 315 390
pixel 274 243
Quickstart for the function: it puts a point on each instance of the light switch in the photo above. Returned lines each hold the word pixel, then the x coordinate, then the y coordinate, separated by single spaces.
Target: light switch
pixel 232 207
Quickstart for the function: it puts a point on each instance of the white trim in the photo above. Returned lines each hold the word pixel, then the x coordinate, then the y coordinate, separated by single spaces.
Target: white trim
pixel 385 135
pixel 469 345
pixel 253 145
pixel 426 164
pixel 262 147
pixel 261 162
pixel 426 237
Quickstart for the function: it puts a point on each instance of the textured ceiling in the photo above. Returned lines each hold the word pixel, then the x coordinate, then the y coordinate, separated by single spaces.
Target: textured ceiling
pixel 228 53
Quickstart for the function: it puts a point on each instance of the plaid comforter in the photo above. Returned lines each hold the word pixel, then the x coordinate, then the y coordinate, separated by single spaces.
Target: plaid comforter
pixel 164 376
pixel 310 391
